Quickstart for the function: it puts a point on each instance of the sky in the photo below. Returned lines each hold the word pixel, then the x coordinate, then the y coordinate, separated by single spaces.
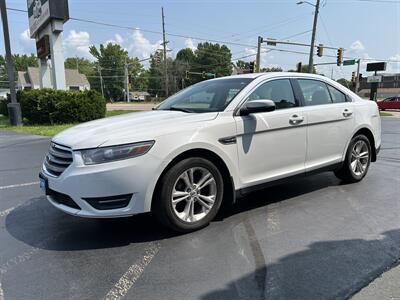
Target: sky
pixel 367 29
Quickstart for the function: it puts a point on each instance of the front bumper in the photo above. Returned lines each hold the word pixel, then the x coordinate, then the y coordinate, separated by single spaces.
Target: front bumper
pixel 133 178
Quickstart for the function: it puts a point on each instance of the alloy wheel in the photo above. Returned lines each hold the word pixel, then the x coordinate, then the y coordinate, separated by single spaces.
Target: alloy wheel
pixel 194 194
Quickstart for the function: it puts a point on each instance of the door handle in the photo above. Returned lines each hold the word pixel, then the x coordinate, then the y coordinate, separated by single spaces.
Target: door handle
pixel 347 113
pixel 296 119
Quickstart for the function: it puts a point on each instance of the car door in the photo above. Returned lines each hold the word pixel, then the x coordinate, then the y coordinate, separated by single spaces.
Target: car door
pixel 330 122
pixel 272 145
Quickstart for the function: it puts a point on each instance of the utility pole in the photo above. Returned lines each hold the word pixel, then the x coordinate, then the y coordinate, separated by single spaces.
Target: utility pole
pixel 101 80
pixel 258 58
pixel 127 81
pixel 77 63
pixel 165 53
pixel 314 30
pixel 14 108
pixel 358 76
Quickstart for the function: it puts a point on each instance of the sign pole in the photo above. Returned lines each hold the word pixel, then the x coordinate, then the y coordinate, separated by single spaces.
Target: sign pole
pixel 14 108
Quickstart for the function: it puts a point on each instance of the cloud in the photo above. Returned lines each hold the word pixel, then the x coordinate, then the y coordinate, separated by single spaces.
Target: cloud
pixel 190 44
pixel 142 47
pixel 78 42
pixel 357 46
pixel 394 67
pixel 118 40
pixel 265 59
pixel 27 44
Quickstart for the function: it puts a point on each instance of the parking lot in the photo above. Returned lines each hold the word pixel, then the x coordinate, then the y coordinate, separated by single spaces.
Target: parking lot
pixel 311 239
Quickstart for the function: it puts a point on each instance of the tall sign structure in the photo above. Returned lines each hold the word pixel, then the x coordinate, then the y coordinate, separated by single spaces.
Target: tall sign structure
pixel 46 22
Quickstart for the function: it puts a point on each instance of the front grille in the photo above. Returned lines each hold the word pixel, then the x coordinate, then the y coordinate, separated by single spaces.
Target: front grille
pixel 58 159
pixel 62 199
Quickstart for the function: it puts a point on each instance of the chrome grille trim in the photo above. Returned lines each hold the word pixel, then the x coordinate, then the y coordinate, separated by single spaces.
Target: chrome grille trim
pixel 57 160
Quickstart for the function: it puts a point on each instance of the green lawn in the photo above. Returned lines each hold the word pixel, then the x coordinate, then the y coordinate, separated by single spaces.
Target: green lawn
pixel 385 114
pixel 48 130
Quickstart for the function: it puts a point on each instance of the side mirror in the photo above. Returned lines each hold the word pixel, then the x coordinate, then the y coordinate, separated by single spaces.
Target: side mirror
pixel 257 106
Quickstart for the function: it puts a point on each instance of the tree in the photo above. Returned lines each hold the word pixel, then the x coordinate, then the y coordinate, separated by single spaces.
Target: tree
pixel 156 79
pixel 344 82
pixel 244 65
pixel 83 65
pixel 139 77
pixel 111 60
pixel 272 69
pixel 304 69
pixel 21 62
pixel 213 58
pixel 185 55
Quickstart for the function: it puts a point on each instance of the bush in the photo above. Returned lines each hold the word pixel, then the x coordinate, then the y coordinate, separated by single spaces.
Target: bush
pixel 48 106
pixel 3 106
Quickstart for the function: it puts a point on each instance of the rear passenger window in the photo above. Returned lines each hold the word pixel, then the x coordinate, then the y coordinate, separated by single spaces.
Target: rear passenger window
pixel 314 92
pixel 337 96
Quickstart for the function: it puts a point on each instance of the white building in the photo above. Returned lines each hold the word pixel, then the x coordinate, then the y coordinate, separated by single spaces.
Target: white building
pixel 74 79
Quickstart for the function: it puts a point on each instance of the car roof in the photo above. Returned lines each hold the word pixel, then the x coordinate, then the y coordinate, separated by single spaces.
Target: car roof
pixel 274 74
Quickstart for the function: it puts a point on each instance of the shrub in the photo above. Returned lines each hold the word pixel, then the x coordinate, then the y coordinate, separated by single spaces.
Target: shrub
pixel 48 106
pixel 3 106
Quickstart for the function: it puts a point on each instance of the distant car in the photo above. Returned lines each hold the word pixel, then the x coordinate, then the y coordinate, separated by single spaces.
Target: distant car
pixel 209 143
pixel 389 103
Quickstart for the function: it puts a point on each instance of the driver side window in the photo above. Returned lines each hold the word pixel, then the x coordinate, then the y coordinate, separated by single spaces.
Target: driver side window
pixel 280 91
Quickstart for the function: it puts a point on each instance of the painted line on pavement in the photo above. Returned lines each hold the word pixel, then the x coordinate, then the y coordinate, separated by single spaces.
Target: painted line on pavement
pixel 18 185
pixel 134 272
pixel 5 213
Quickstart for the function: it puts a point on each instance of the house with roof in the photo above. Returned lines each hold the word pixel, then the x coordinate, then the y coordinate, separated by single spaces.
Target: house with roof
pixel 73 79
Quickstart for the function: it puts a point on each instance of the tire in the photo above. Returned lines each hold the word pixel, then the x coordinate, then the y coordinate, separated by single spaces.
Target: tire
pixel 189 195
pixel 347 173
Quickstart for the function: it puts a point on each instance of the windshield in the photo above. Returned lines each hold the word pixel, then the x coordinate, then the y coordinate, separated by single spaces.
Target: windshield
pixel 206 96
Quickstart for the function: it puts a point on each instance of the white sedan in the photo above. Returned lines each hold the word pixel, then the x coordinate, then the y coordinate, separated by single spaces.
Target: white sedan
pixel 210 143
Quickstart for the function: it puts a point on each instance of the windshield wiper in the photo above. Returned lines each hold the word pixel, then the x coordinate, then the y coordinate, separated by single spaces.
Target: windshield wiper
pixel 179 109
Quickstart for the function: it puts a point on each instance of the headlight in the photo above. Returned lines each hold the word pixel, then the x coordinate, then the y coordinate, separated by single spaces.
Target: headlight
pixel 107 154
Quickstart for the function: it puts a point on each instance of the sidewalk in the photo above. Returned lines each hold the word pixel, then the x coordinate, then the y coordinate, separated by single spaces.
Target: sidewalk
pixel 386 286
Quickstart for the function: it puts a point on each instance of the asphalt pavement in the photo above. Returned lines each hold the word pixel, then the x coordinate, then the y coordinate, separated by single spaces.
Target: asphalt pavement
pixel 315 238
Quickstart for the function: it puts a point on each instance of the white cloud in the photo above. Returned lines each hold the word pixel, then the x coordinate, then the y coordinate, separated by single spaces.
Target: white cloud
pixel 142 47
pixel 394 67
pixel 190 44
pixel 265 59
pixel 79 42
pixel 27 44
pixel 357 46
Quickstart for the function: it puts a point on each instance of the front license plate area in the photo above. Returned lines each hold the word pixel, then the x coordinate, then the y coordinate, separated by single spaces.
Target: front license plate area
pixel 43 184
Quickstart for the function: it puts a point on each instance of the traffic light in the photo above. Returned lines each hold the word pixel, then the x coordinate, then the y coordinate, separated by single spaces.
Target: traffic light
pixel 187 75
pixel 339 57
pixel 252 67
pixel 320 50
pixel 203 74
pixel 298 67
pixel 353 76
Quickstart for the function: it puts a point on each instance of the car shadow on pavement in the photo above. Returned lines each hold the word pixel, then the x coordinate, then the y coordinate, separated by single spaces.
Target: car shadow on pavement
pixel 325 270
pixel 38 224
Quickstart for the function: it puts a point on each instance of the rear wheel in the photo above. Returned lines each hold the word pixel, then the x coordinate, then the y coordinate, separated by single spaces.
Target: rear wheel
pixel 189 195
pixel 358 159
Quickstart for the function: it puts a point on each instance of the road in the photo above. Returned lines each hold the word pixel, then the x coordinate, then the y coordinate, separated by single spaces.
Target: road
pixel 313 239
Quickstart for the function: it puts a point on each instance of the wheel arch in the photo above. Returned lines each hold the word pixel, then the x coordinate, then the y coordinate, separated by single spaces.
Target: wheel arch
pixel 229 185
pixel 370 136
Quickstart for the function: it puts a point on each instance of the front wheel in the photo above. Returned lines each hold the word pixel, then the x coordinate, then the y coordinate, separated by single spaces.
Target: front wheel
pixel 189 195
pixel 358 159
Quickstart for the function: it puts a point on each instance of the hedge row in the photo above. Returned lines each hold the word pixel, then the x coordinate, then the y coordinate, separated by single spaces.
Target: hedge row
pixel 48 106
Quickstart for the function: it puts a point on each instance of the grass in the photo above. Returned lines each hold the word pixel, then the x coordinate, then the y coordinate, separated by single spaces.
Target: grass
pixel 385 114
pixel 48 130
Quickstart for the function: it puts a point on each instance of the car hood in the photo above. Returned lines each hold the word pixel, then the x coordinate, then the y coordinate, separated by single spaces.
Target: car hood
pixel 129 128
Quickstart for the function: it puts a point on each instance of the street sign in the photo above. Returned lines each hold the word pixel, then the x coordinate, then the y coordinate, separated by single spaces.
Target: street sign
pixel 378 66
pixel 41 12
pixel 374 79
pixel 349 62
